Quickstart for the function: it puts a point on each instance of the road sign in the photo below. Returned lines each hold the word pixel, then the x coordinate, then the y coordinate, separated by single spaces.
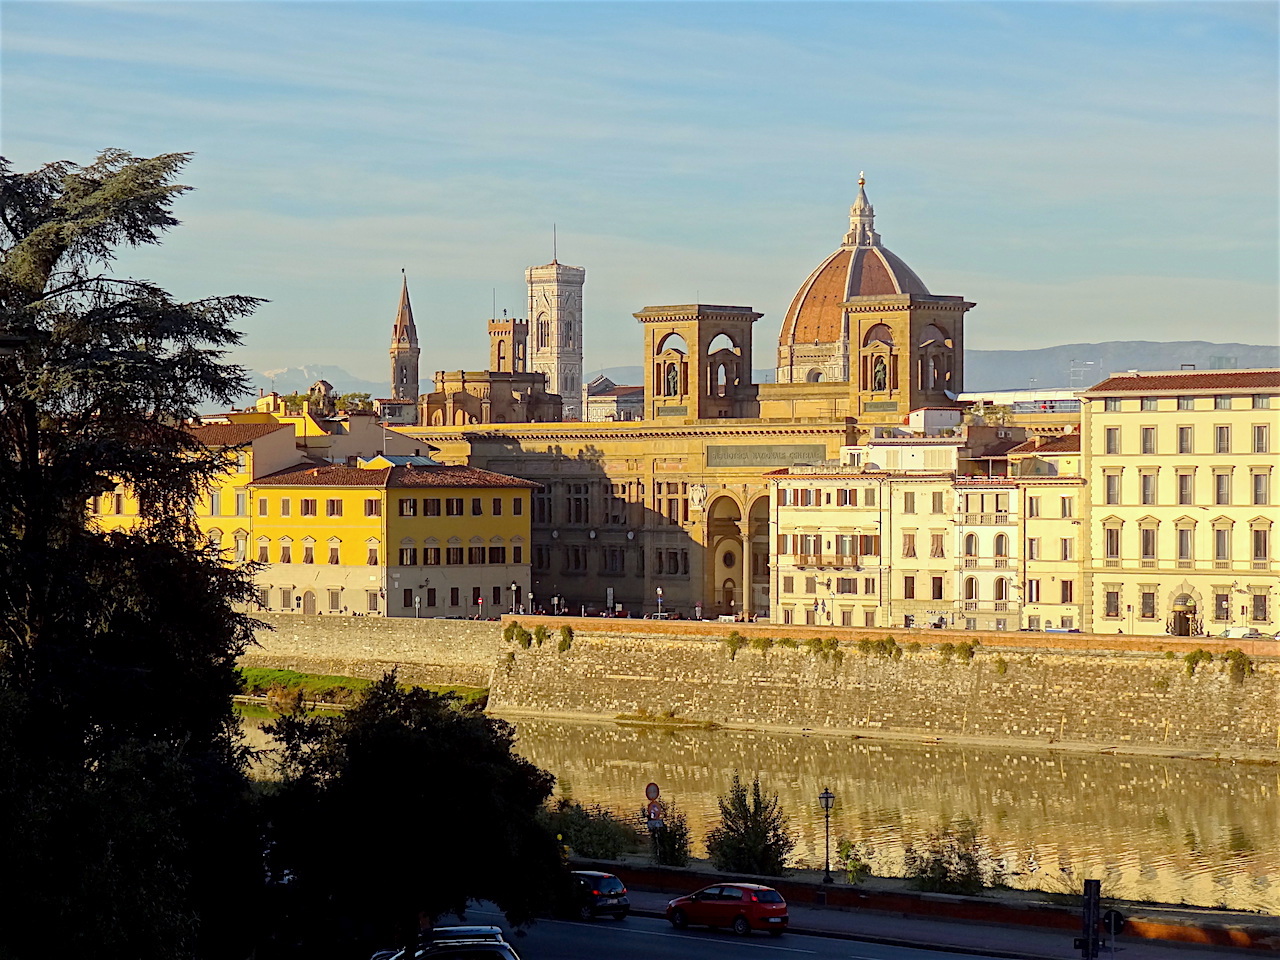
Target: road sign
pixel 1113 921
pixel 1088 943
pixel 651 792
pixel 655 810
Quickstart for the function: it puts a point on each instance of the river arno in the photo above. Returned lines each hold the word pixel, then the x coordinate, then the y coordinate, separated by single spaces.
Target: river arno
pixel 1167 830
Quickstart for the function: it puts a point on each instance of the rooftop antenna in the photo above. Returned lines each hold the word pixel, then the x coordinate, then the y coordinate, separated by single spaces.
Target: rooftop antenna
pixel 495 302
pixel 555 255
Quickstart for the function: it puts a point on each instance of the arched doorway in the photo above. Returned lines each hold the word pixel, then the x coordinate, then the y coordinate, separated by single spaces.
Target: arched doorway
pixel 729 596
pixel 1182 616
pixel 724 549
pixel 757 574
pixel 309 603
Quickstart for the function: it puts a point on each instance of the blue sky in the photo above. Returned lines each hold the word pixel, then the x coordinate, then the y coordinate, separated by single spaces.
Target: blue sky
pixel 1084 171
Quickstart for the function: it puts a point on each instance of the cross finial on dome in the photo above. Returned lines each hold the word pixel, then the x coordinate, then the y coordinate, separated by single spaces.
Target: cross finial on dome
pixel 862 219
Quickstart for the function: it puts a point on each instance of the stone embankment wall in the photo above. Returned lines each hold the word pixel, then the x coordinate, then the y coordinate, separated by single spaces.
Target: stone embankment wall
pixel 1069 690
pixel 428 652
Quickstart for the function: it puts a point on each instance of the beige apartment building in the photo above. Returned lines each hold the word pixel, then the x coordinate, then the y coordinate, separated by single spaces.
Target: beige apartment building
pixel 1182 473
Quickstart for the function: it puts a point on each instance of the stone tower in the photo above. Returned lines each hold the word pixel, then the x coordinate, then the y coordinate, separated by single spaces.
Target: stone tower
pixel 698 360
pixel 404 350
pixel 508 345
pixel 555 326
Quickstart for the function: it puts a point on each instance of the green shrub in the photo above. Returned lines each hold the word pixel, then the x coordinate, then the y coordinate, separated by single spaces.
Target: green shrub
pixel 952 860
pixel 522 637
pixel 591 832
pixel 753 835
pixel 762 644
pixel 509 630
pixel 815 646
pixel 1002 665
pixel 541 634
pixel 865 646
pixel 1169 654
pixel 964 650
pixel 1238 664
pixel 733 643
pixel 1195 658
pixel 946 651
pixel 1162 684
pixel 566 638
pixel 852 860
pixel 913 646
pixel 789 642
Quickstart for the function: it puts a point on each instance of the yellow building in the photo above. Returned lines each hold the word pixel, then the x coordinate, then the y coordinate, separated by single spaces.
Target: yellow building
pixel 391 536
pixel 1182 471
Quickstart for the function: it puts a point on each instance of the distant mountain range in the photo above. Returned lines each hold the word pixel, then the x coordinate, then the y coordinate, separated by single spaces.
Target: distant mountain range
pixel 1072 365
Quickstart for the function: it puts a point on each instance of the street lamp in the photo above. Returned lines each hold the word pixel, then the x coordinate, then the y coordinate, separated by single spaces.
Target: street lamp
pixel 514 587
pixel 828 800
pixel 659 601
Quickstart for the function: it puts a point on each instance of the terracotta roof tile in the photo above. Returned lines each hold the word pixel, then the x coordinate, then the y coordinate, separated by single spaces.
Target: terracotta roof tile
pixel 340 475
pixel 233 434
pixel 1067 443
pixel 1189 380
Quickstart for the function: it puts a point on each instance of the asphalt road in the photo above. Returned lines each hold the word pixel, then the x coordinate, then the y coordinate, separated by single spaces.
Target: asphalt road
pixel 643 938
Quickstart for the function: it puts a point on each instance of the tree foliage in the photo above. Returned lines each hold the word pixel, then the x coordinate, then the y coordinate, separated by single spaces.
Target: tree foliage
pixel 753 835
pixel 430 793
pixel 121 774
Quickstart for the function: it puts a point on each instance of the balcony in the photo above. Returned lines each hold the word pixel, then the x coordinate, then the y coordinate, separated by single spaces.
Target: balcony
pixel 1222 564
pixel 831 560
pixel 970 563
pixel 1002 606
pixel 1113 562
pixel 1261 565
pixel 980 519
pixel 1002 563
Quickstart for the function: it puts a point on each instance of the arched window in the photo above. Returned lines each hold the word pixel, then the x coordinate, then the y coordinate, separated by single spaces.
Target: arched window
pixel 971 545
pixel 880 333
pixel 1002 545
pixel 813 376
pixel 970 588
pixel 1002 589
pixel 502 355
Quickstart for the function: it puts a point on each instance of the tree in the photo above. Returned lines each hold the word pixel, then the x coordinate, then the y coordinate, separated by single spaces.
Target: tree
pixel 407 805
pixel 122 788
pixel 753 835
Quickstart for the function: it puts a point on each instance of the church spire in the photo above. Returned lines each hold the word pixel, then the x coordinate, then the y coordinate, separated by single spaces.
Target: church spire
pixel 404 332
pixel 404 349
pixel 862 220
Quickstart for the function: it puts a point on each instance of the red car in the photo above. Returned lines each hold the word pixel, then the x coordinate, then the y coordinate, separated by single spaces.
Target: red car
pixel 742 906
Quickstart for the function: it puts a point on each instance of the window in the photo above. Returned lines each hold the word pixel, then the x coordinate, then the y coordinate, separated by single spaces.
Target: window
pixel 476 599
pixel 1222 606
pixel 1147 604
pixel 1111 603
pixel 284 506
pixel 453 555
pixel 334 554
pixel 517 507
pixel 1033 506
pixel 937 545
pixel 1002 589
pixel 1150 403
pixel 1261 543
pixel 242 548
pixel 215 504
pixel 909 588
pixel 333 508
pixel 431 596
pixel 372 507
pixel 810 584
pixel 308 553
pixel 497 554
pixel 286 598
pixel 373 556
pixel 1033 548
pixel 1033 591
pixel 497 506
pixel 1033 623
pixel 1068 548
pixel 264 552
pixel 1113 488
pixel 868 585
pixel 788 584
pixel 909 544
pixel 1148 439
pixel 970 587
pixel 1258 609
pixel 1186 403
pixel 1222 403
pixel 788 615
pixel 1222 439
pixel 407 600
pixel 846 585
pixel 1147 541
pixel 937 502
pixel 431 556
pixel 431 507
pixel 937 588
pixel 477 506
pixel 971 545
pixel 517 556
pixel 909 502
pixel 335 601
pixel 371 601
pixel 1111 543
pixel 1222 543
pixel 1261 402
pixel 1186 440
pixel 453 507
pixel 408 506
pixel 1111 404
pixel 1148 487
pixel 1261 438
pixel 455 598
pixel 408 556
pixel 1068 507
pixel 869 497
pixel 1221 487
pixel 475 554
pixel 307 508
pixel 242 503
pixel 1111 440
pixel 286 553
pixel 262 506
pixel 1186 537
pixel 1186 487
pixel 1261 488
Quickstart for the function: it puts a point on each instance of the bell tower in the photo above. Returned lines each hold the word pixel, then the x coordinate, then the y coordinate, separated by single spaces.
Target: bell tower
pixel 508 342
pixel 555 326
pixel 404 349
pixel 698 360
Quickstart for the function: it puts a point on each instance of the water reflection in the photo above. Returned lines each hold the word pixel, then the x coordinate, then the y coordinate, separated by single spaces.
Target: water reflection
pixel 1150 829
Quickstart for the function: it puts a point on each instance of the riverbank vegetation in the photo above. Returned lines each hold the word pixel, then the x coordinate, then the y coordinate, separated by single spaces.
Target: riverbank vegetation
pixel 284 690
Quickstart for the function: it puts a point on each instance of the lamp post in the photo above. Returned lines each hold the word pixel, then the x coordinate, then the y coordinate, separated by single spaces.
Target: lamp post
pixel 514 587
pixel 828 800
pixel 659 600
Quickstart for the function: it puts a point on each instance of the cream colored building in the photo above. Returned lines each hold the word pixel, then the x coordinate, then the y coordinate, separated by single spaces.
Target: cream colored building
pixel 1182 472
